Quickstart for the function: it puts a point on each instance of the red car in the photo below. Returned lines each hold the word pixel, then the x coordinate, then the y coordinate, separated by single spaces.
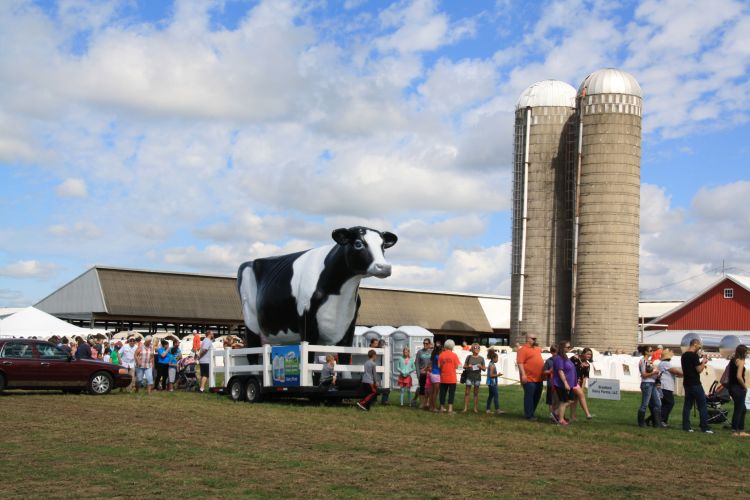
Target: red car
pixel 36 364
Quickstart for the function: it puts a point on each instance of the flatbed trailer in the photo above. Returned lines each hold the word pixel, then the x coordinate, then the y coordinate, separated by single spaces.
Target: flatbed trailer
pixel 289 371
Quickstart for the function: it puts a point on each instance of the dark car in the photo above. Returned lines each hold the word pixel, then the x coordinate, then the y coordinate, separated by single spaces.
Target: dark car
pixel 36 364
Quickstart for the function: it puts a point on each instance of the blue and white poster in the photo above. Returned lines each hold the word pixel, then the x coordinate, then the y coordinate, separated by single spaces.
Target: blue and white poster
pixel 285 365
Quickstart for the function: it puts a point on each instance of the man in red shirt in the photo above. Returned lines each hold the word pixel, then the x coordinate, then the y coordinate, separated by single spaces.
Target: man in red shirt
pixel 530 366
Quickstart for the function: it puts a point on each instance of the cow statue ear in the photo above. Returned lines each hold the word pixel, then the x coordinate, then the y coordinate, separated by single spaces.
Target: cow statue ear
pixel 342 236
pixel 389 239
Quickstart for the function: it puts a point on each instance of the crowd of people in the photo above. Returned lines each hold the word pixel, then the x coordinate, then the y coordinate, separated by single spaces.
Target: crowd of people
pixel 151 367
pixel 436 366
pixel 659 378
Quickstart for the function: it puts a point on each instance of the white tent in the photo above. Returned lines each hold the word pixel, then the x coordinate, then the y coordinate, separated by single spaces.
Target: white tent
pixel 31 322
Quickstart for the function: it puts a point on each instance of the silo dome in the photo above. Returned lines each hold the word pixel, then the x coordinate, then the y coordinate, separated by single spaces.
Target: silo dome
pixel 610 81
pixel 548 93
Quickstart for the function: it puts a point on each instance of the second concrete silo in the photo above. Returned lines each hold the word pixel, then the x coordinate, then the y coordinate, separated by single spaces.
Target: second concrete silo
pixel 606 249
pixel 542 212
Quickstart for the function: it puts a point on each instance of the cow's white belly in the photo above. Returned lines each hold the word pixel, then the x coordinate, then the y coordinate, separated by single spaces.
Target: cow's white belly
pixel 281 338
pixel 336 314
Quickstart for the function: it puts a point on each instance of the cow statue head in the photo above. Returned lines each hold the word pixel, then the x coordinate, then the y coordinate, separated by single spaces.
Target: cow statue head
pixel 365 249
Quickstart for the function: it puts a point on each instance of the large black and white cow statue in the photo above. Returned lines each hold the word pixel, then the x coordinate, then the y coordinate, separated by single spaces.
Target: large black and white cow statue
pixel 313 295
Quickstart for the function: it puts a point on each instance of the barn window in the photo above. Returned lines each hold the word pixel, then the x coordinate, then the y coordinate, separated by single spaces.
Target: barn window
pixel 729 293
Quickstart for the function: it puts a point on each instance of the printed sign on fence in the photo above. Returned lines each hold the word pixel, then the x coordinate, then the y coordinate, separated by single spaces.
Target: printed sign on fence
pixel 285 364
pixel 604 388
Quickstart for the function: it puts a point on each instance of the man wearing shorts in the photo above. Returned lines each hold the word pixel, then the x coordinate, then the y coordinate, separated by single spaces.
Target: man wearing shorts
pixel 127 360
pixel 204 358
pixel 144 365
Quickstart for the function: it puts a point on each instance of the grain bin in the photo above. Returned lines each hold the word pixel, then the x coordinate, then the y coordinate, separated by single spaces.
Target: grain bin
pixel 606 231
pixel 542 212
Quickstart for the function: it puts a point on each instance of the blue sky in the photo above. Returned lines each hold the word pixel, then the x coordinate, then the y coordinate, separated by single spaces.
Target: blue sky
pixel 193 136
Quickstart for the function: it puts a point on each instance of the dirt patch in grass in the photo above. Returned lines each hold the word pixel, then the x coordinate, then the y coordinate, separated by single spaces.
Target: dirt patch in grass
pixel 167 445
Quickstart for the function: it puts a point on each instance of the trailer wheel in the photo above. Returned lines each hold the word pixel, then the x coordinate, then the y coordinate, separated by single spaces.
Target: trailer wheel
pixel 252 391
pixel 237 389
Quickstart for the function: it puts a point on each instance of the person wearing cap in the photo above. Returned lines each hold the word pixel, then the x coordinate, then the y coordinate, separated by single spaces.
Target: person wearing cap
pixel 668 373
pixel 530 367
pixel 127 359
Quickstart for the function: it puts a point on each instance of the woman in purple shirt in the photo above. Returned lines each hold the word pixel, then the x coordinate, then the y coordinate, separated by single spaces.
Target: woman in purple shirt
pixel 564 378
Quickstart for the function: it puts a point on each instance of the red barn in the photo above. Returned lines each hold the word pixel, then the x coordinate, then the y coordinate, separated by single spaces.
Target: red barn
pixel 723 306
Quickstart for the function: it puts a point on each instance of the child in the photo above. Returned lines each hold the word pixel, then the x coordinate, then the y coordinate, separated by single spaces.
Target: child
pixel 369 385
pixel 492 375
pixel 328 375
pixel 405 367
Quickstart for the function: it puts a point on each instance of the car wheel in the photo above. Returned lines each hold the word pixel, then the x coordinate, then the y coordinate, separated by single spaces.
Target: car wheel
pixel 2 382
pixel 252 391
pixel 100 383
pixel 237 389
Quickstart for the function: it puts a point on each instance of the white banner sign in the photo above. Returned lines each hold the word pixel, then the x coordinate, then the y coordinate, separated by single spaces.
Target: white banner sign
pixel 604 388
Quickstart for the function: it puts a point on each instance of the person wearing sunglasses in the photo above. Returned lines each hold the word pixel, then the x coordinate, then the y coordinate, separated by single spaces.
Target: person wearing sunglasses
pixel 423 366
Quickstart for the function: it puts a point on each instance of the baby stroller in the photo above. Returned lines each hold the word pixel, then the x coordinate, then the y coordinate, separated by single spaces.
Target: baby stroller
pixel 717 397
pixel 187 377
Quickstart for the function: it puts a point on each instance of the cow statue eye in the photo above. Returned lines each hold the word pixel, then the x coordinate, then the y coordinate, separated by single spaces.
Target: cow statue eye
pixel 358 245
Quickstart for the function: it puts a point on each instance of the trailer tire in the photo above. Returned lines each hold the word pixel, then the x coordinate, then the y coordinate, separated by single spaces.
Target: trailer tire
pixel 252 391
pixel 237 389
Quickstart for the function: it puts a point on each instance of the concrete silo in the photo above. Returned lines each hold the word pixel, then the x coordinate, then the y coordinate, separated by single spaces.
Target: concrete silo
pixel 606 229
pixel 542 212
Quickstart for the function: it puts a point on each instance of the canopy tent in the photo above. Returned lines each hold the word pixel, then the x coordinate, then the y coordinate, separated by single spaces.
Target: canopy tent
pixel 31 322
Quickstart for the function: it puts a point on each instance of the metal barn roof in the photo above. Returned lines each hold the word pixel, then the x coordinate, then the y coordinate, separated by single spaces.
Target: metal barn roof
pixel 108 293
pixel 428 310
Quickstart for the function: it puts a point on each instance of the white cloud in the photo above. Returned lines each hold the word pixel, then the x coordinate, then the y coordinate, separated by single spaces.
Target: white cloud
pixel 469 270
pixel 686 249
pixel 417 27
pixel 72 188
pixel 78 230
pixel 33 269
pixel 225 259
pixel 690 64
pixel 476 79
pixel 176 130
pixel 12 298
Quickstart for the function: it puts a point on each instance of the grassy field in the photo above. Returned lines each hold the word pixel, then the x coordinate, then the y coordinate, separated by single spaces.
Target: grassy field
pixel 170 445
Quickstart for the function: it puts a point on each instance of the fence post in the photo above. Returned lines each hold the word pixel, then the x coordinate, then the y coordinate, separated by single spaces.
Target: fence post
pixel 227 367
pixel 304 376
pixel 386 367
pixel 266 363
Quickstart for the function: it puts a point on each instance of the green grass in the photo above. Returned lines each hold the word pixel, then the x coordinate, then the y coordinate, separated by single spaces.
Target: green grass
pixel 165 445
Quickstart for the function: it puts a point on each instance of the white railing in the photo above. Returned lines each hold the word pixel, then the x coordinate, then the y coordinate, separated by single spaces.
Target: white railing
pixel 231 362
